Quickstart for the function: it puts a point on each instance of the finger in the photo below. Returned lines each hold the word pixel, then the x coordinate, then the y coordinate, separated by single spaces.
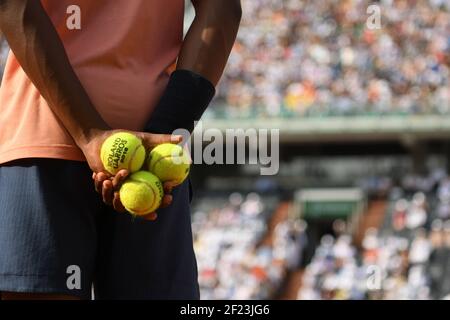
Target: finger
pixel 150 140
pixel 119 178
pixel 117 204
pixel 150 217
pixel 99 179
pixel 107 192
pixel 166 201
pixel 94 174
pixel 168 186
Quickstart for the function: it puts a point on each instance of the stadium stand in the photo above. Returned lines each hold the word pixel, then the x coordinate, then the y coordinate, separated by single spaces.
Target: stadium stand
pixel 410 252
pixel 234 261
pixel 317 58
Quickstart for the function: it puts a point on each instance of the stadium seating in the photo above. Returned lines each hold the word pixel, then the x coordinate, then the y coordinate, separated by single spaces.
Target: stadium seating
pixel 317 58
pixel 410 252
pixel 232 261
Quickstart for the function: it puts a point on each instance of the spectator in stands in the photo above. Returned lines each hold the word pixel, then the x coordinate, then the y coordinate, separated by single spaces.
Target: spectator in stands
pixel 420 248
pixel 417 215
pixel 443 194
pixel 370 246
pixel 399 215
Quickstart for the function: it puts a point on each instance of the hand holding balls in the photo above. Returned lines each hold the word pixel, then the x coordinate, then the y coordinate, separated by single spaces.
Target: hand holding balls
pixel 142 192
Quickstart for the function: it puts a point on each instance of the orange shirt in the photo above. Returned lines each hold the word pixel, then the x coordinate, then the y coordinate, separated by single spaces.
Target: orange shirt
pixel 122 54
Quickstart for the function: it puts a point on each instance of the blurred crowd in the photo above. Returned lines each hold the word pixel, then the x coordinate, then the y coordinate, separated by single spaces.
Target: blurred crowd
pixel 232 262
pixel 407 258
pixel 4 49
pixel 319 58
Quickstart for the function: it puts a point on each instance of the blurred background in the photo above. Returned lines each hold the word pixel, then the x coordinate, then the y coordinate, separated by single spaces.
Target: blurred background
pixel 360 208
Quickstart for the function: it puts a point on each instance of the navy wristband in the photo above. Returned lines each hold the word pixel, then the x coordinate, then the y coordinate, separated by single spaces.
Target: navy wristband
pixel 184 101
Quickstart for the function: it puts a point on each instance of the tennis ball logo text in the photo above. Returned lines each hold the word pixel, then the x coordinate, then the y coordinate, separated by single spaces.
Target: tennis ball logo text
pixel 117 153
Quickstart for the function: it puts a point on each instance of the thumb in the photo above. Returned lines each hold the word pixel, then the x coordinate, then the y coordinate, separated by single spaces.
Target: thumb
pixel 151 140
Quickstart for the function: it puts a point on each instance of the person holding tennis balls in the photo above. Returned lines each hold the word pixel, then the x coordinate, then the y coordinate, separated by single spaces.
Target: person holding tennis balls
pixel 79 72
pixel 142 193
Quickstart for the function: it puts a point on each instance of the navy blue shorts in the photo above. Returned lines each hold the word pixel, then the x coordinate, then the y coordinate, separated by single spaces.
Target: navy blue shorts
pixel 56 236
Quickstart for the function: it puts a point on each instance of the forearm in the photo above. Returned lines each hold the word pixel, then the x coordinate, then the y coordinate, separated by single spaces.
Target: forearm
pixel 40 52
pixel 201 62
pixel 210 38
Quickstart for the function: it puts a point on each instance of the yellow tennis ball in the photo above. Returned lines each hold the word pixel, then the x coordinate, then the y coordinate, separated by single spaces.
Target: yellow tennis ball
pixel 169 162
pixel 122 150
pixel 141 193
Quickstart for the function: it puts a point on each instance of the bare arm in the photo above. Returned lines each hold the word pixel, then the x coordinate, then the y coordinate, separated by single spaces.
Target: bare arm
pixel 201 62
pixel 39 50
pixel 41 53
pixel 211 36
